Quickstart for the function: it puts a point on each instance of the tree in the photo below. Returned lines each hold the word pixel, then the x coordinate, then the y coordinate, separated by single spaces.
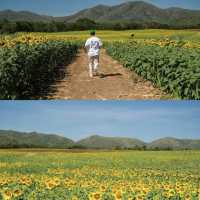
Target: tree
pixel 85 24
pixel 24 26
pixel 8 27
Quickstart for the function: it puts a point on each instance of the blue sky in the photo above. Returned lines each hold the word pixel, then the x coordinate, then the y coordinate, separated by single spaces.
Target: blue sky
pixel 67 7
pixel 146 120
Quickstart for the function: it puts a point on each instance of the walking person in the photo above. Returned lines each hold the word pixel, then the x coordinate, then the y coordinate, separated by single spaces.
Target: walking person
pixel 92 47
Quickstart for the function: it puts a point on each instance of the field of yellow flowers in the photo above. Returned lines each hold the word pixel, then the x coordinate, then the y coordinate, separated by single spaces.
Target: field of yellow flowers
pixel 188 38
pixel 10 41
pixel 128 175
pixel 156 34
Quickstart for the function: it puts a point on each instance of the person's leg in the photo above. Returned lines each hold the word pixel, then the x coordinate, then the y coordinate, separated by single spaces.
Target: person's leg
pixel 90 66
pixel 91 63
pixel 96 64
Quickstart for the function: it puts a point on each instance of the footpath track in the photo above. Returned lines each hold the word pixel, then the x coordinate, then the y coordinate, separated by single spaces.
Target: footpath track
pixel 114 83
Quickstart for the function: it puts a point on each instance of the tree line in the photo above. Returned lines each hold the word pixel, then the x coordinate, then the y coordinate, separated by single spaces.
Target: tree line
pixel 81 24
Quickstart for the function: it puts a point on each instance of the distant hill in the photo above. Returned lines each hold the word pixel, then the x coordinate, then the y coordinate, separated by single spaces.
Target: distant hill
pixel 174 144
pixel 99 142
pixel 23 16
pixel 14 139
pixel 9 139
pixel 138 11
pixel 133 11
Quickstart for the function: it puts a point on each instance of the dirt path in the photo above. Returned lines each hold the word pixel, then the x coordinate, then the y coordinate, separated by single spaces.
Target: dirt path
pixel 115 83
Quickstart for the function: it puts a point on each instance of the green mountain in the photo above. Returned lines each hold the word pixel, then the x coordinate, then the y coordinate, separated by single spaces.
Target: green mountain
pixel 138 11
pixel 23 16
pixel 133 11
pixel 174 144
pixel 14 139
pixel 99 142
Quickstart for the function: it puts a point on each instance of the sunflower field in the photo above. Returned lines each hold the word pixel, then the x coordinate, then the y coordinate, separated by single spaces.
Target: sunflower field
pixel 171 65
pixel 28 64
pixel 128 175
pixel 168 58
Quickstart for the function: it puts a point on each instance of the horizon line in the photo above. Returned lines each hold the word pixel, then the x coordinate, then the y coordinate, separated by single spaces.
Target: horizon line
pixel 99 135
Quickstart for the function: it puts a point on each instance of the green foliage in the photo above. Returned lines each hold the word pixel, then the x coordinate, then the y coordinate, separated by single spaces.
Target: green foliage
pixel 99 142
pixel 85 24
pixel 8 27
pixel 175 69
pixel 25 70
pixel 13 139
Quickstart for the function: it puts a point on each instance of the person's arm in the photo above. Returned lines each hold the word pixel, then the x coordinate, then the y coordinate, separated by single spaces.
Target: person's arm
pixel 100 44
pixel 85 49
pixel 86 46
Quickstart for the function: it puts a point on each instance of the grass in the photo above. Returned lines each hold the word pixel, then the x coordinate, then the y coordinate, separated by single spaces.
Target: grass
pixel 110 175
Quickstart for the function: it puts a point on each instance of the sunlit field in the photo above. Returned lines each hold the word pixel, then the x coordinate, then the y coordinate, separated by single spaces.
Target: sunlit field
pixel 189 35
pixel 94 175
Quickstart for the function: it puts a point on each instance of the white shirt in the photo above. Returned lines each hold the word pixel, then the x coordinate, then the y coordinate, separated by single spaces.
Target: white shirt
pixel 93 44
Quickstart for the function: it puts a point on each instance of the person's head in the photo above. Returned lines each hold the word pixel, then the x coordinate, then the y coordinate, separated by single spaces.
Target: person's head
pixel 93 33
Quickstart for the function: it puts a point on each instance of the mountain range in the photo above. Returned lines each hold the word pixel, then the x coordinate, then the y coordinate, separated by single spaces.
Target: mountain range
pixel 14 139
pixel 133 11
pixel 23 16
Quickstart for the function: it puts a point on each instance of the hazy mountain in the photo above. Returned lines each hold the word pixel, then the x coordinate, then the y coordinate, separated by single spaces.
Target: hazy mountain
pixel 94 13
pixel 134 11
pixel 23 16
pixel 18 139
pixel 138 11
pixel 14 139
pixel 99 142
pixel 174 143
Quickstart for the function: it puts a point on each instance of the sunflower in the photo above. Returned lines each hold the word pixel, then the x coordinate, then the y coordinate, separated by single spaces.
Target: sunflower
pixel 17 193
pixel 118 195
pixel 7 195
pixel 51 184
pixel 95 196
pixel 103 188
pixel 74 198
pixel 25 181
